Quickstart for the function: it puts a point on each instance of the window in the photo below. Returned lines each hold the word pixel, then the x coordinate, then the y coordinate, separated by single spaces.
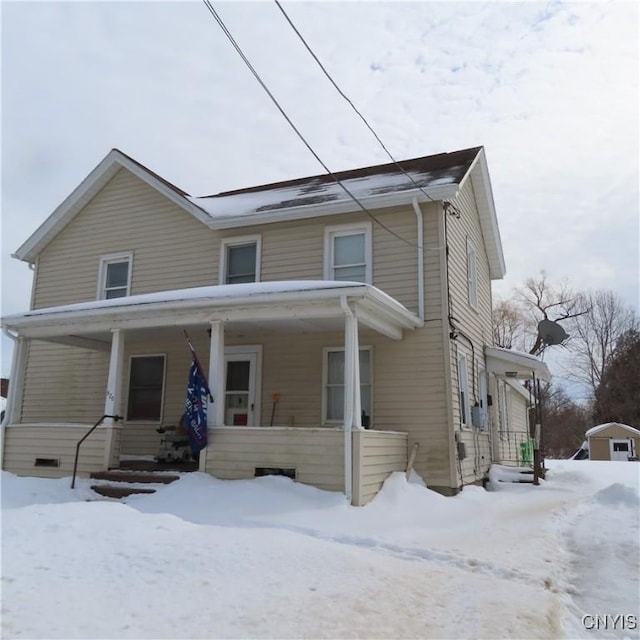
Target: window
pixel 482 399
pixel 114 278
pixel 347 253
pixel 146 385
pixel 463 390
pixel 333 373
pixel 240 260
pixel 472 274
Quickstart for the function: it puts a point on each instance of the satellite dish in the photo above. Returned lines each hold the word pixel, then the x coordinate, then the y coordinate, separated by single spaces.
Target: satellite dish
pixel 551 332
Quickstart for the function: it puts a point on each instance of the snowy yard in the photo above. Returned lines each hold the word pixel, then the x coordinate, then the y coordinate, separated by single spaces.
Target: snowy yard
pixel 268 558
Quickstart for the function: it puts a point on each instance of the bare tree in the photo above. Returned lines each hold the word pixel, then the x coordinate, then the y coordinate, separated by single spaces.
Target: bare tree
pixel 515 322
pixel 617 398
pixel 595 334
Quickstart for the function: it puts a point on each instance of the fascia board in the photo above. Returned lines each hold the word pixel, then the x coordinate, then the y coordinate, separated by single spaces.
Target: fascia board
pixel 86 190
pixel 327 209
pixel 287 305
pixel 478 173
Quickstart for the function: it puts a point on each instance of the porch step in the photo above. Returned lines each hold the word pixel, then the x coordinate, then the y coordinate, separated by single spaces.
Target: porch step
pixel 111 491
pixel 116 475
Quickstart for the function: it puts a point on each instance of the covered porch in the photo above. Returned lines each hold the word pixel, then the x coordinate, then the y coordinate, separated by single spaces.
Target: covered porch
pixel 266 348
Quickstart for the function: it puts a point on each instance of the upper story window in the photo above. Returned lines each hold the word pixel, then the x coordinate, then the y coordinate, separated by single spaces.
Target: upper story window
pixel 347 253
pixel 472 273
pixel 240 260
pixel 114 278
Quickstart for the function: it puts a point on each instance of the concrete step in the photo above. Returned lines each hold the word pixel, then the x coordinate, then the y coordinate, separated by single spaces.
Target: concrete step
pixel 116 475
pixel 112 491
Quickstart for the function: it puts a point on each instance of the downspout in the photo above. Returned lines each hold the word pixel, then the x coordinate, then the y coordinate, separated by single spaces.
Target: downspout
pixel 12 385
pixel 420 236
pixel 347 419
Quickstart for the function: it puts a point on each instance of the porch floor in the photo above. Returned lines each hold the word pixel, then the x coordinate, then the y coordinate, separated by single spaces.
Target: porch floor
pixel 152 465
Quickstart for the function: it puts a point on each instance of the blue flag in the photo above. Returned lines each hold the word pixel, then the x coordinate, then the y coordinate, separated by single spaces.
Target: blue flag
pixel 195 408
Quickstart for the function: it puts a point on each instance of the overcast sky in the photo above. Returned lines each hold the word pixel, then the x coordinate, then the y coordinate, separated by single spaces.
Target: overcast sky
pixel 550 89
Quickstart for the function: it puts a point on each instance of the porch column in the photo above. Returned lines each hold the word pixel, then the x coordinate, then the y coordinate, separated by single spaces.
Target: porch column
pixel 16 382
pixel 113 399
pixel 215 411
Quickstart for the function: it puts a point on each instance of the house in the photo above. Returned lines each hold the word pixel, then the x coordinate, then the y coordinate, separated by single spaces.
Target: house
pixel 340 344
pixel 612 441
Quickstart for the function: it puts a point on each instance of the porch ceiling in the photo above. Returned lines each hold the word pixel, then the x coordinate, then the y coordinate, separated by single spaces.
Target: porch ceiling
pixel 292 306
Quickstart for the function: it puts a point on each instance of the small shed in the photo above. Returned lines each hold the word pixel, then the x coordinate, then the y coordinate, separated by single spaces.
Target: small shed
pixel 613 441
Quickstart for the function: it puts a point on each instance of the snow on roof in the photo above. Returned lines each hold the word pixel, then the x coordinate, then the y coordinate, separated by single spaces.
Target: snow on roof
pixel 601 427
pixel 213 292
pixel 427 172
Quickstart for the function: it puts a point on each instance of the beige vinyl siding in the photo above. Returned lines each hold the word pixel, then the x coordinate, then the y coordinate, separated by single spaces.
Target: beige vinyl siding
pixel 171 249
pixel 317 455
pixel 64 383
pixel 376 454
pixel 24 443
pixel 474 323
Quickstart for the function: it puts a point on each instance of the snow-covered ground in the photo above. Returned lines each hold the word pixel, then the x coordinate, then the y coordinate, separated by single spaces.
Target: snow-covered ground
pixel 268 558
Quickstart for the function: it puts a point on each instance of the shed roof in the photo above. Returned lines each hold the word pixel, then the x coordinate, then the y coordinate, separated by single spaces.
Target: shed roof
pixel 607 425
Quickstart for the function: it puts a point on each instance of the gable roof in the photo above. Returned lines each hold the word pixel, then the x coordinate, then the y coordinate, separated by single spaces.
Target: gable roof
pixel 603 427
pixel 440 176
pixel 88 188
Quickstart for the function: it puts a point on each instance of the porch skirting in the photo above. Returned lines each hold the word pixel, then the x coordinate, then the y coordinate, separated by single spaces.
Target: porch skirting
pixel 313 456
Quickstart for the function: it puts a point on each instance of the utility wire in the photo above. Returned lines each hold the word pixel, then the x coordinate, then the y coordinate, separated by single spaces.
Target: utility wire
pixel 236 46
pixel 342 93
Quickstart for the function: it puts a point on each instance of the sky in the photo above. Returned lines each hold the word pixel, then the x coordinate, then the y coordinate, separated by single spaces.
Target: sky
pixel 280 559
pixel 549 89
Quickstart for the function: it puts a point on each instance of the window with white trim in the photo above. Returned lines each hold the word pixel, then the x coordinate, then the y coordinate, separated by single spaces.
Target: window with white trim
pixel 347 253
pixel 114 277
pixel 333 388
pixel 463 392
pixel 146 388
pixel 472 274
pixel 240 260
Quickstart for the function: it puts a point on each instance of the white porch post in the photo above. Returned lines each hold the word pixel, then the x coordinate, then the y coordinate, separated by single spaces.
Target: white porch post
pixel 113 400
pixel 215 410
pixel 350 363
pixel 16 382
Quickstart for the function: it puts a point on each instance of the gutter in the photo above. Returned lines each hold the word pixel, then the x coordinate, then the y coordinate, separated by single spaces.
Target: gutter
pixel 420 236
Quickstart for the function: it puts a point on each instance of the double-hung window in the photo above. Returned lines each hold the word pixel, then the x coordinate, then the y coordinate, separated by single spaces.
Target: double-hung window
pixel 240 260
pixel 472 274
pixel 146 388
pixel 114 278
pixel 333 396
pixel 347 253
pixel 463 391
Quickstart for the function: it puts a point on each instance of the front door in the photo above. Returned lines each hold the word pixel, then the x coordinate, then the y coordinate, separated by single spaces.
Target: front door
pixel 620 449
pixel 241 370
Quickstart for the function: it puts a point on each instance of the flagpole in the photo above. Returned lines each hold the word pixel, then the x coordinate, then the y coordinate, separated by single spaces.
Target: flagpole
pixel 200 369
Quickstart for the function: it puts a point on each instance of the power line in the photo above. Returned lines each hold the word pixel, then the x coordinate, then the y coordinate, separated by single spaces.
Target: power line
pixel 342 93
pixel 238 49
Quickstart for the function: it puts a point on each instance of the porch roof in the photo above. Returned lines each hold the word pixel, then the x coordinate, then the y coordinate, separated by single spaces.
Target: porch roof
pixel 315 302
pixel 508 363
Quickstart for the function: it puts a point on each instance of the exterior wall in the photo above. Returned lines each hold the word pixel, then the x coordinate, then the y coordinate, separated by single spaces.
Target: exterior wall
pixel 171 249
pixel 376 454
pixel 24 443
pixel 317 455
pixel 63 384
pixel 475 329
